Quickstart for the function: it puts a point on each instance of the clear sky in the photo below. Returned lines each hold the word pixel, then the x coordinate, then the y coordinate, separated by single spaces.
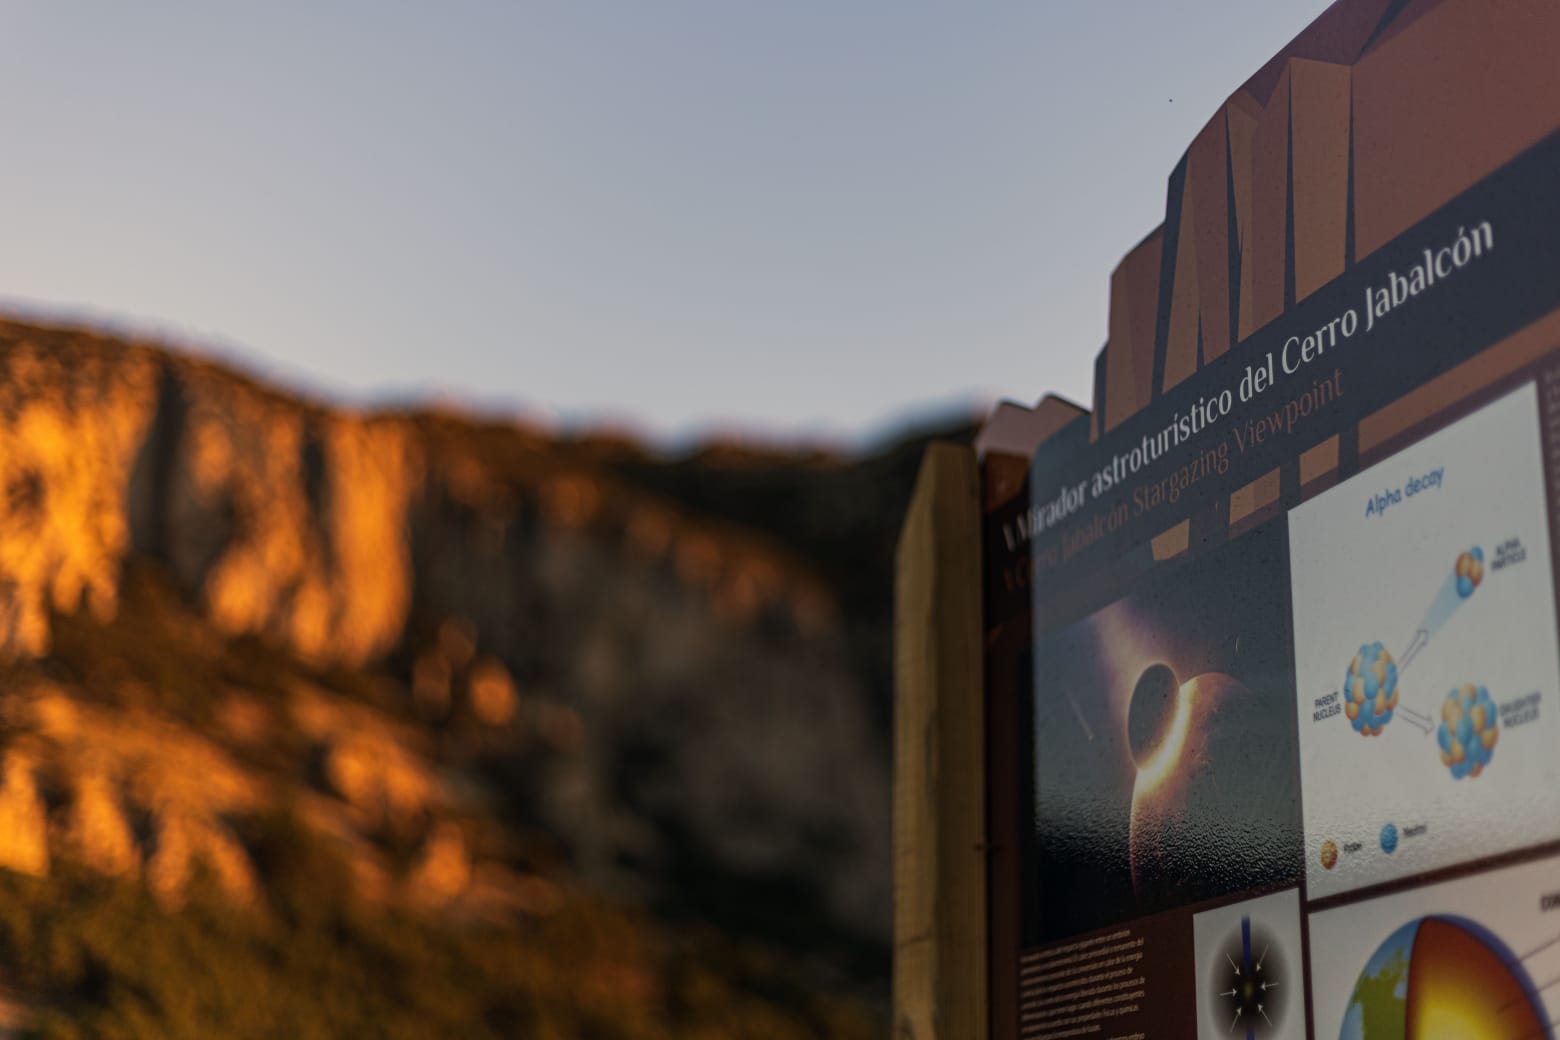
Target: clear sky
pixel 804 219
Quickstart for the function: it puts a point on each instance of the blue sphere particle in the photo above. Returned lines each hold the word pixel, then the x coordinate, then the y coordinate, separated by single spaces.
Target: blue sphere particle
pixel 1464 587
pixel 1389 839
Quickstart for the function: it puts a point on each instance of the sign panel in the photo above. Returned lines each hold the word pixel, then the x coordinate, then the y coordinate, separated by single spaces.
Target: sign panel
pixel 1273 668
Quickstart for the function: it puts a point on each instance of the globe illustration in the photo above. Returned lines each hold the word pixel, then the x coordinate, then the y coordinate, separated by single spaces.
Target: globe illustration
pixel 1214 761
pixel 1378 1008
pixel 1443 978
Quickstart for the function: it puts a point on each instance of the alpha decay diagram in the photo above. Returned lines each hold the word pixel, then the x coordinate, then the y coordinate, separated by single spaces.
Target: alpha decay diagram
pixel 1467 722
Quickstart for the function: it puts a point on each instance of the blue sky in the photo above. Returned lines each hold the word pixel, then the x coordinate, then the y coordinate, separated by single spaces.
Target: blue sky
pixel 801 220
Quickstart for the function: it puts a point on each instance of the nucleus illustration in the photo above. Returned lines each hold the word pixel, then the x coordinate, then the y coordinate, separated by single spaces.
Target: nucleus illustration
pixel 1469 730
pixel 1370 689
pixel 1466 575
pixel 1469 571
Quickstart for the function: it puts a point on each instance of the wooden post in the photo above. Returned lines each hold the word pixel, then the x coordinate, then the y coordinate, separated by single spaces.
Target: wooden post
pixel 940 986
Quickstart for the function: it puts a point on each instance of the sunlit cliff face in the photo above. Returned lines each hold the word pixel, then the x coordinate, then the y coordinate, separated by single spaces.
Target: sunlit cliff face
pixel 286 523
pixel 292 525
pixel 336 543
pixel 70 429
pixel 292 522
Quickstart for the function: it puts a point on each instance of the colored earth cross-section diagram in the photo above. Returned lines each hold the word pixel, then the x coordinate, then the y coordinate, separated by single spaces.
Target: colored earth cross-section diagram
pixel 1444 978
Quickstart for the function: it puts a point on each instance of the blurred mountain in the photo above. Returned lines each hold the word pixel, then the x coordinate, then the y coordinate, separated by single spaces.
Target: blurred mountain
pixel 406 724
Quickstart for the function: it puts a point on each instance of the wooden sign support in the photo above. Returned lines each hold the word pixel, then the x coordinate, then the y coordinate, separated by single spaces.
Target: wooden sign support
pixel 940 941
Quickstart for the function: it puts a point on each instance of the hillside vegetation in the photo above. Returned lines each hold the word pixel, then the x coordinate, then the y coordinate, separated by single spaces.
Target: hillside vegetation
pixel 319 723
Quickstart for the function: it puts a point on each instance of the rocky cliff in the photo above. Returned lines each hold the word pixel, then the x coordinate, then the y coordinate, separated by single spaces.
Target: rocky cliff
pixel 481 665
